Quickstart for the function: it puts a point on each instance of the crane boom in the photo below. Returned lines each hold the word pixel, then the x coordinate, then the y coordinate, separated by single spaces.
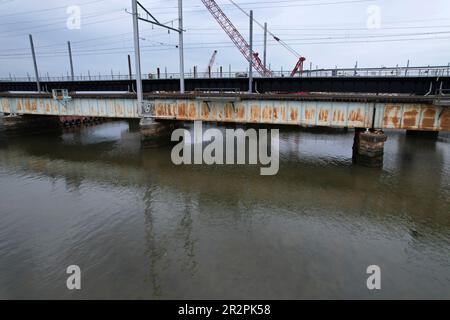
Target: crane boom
pixel 236 37
pixel 298 67
pixel 211 61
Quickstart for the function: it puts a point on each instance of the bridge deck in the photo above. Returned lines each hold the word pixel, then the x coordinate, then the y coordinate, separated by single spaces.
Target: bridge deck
pixel 333 110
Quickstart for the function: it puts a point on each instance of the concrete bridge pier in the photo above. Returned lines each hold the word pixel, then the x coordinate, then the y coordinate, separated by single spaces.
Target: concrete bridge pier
pixel 368 147
pixel 155 133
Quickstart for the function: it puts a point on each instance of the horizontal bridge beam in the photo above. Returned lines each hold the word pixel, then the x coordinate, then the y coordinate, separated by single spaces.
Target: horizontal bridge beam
pixel 381 115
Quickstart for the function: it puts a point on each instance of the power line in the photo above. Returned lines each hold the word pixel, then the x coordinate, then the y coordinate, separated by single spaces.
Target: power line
pixel 332 37
pixel 34 28
pixel 121 51
pixel 47 9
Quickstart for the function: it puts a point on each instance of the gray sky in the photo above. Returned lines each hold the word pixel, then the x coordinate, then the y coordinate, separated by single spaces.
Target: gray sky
pixel 328 33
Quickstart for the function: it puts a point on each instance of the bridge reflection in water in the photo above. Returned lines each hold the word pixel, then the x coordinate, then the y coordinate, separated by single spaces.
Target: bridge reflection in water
pixel 140 227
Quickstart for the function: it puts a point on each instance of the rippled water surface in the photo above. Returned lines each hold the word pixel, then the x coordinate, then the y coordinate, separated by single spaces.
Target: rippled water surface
pixel 140 227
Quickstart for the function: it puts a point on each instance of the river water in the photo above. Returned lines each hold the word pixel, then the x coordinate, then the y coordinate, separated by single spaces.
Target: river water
pixel 140 227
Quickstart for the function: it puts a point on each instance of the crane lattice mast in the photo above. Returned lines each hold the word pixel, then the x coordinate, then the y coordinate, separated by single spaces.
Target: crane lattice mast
pixel 236 37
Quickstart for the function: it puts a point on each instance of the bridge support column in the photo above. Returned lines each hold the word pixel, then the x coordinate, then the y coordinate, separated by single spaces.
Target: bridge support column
pixel 368 147
pixel 154 133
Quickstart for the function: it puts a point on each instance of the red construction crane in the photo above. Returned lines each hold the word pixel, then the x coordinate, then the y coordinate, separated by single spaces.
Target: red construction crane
pixel 236 37
pixel 298 67
pixel 211 61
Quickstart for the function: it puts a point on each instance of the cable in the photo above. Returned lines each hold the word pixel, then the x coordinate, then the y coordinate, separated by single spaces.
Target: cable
pixel 48 9
pixel 224 46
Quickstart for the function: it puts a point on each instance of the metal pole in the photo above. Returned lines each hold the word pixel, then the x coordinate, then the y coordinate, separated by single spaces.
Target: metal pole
pixel 38 84
pixel 70 58
pixel 250 65
pixel 180 43
pixel 129 67
pixel 265 45
pixel 137 52
pixel 406 70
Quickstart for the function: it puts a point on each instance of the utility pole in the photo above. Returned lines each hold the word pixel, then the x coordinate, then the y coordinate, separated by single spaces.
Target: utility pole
pixel 265 45
pixel 180 43
pixel 38 84
pixel 137 53
pixel 406 70
pixel 70 59
pixel 151 19
pixel 129 68
pixel 250 65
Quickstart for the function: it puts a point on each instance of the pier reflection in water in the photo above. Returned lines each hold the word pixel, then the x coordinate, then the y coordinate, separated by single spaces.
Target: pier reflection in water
pixel 140 227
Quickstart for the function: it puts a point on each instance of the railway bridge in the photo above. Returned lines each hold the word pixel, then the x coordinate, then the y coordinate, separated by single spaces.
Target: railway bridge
pixel 368 113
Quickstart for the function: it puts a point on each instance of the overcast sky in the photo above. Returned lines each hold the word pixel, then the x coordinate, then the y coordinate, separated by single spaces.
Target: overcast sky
pixel 328 33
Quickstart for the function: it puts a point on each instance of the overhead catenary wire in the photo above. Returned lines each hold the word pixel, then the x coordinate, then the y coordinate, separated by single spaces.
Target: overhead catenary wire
pixel 158 48
pixel 46 9
pixel 284 44
pixel 337 37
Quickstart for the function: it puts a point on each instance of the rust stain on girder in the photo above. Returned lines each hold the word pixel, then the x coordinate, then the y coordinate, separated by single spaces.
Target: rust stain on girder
pixel 293 114
pixel 118 110
pixel 160 109
pixel 192 112
pixel 310 114
pixel 276 114
pixel 6 106
pixel 392 116
pixel 410 119
pixel 255 113
pixel 356 115
pixel 267 114
pixel 205 111
pixel 338 116
pixel 55 108
pixel 228 112
pixel 323 115
pixel 428 118
pixel 182 110
pixel 34 107
pixel 444 120
pixel 240 112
